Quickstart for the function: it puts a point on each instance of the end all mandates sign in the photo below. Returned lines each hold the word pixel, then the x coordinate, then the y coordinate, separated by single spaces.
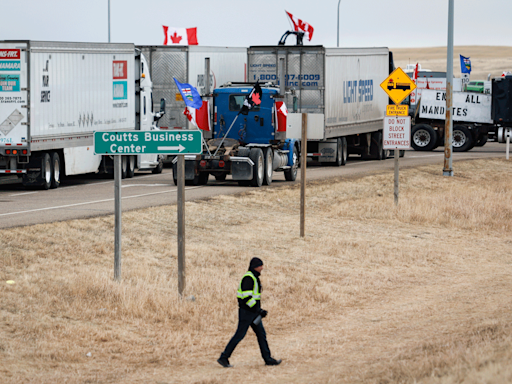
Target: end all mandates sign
pixel 397 132
pixel 148 142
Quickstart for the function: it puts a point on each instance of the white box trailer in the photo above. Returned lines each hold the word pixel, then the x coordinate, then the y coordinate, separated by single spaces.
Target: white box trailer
pixel 54 95
pixel 339 90
pixel 187 65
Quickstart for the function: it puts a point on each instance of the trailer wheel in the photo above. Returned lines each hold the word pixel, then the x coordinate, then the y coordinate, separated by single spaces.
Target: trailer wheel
pixel 482 140
pixel 221 177
pixel 256 155
pixel 424 137
pixel 462 139
pixel 46 171
pixel 344 150
pixel 130 171
pixel 341 152
pixel 269 168
pixel 203 178
pixel 290 174
pixel 55 170
pixel 401 153
pixel 124 167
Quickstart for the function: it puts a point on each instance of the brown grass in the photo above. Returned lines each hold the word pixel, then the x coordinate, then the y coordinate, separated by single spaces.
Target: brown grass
pixel 373 294
pixel 484 59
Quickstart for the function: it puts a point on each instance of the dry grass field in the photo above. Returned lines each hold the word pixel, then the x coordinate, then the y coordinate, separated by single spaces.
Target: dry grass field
pixel 484 59
pixel 373 294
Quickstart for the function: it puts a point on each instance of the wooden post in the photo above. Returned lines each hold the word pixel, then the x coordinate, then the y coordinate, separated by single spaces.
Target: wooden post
pixel 181 224
pixel 397 154
pixel 303 162
pixel 508 145
pixel 118 212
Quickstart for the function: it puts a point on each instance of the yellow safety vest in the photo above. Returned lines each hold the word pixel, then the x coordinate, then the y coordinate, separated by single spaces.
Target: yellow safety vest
pixel 255 292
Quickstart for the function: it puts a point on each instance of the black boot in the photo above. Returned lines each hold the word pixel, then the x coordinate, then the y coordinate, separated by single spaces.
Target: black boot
pixel 272 361
pixel 225 362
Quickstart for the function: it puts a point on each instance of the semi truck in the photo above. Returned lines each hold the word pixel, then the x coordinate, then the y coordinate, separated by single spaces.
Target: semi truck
pixel 475 116
pixel 334 87
pixel 54 95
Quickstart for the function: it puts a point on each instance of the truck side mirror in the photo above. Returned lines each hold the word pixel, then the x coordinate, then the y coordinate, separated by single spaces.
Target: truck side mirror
pixel 162 105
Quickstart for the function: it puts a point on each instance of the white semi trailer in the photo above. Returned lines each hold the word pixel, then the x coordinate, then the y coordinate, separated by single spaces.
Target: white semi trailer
pixel 54 95
pixel 339 90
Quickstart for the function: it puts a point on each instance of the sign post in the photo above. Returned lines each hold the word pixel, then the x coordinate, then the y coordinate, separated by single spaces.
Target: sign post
pixel 397 124
pixel 149 142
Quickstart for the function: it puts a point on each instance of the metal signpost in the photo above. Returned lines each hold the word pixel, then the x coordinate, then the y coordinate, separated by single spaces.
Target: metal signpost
pixel 397 124
pixel 150 142
pixel 448 128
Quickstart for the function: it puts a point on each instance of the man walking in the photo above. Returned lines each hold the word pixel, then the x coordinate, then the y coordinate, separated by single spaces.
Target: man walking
pixel 249 315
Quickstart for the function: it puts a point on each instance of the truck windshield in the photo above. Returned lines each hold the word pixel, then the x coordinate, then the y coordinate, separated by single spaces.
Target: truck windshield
pixel 236 102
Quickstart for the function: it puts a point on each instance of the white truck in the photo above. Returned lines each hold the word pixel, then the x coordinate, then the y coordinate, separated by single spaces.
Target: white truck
pixel 339 90
pixel 54 95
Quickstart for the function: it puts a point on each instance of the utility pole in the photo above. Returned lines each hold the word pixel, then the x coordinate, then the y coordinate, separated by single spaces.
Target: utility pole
pixel 109 21
pixel 448 128
pixel 338 34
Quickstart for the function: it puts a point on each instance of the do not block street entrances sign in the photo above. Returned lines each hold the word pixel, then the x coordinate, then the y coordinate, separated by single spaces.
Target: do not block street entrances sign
pixel 148 142
pixel 397 132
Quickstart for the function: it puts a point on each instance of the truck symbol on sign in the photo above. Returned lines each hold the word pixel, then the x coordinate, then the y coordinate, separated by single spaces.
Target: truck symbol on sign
pixel 403 86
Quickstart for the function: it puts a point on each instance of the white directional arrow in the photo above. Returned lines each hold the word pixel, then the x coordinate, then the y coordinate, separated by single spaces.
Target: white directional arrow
pixel 178 148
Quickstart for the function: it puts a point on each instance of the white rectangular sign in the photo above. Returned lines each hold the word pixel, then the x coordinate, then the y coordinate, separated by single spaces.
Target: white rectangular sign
pixel 397 132
pixel 467 106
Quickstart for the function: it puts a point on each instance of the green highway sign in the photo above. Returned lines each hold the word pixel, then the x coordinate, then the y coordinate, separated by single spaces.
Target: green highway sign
pixel 148 142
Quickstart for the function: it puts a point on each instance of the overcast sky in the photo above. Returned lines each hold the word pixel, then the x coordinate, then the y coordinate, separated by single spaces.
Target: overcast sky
pixel 363 23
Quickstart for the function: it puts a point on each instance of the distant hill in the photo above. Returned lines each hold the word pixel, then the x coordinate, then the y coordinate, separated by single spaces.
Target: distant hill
pixel 484 59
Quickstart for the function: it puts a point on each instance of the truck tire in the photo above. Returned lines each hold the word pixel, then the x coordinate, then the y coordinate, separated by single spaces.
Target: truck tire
pixel 290 174
pixel 424 137
pixel 203 178
pixel 159 168
pixel 55 170
pixel 269 169
pixel 482 140
pixel 258 170
pixel 124 167
pixel 462 139
pixel 130 170
pixel 46 171
pixel 221 177
pixel 341 152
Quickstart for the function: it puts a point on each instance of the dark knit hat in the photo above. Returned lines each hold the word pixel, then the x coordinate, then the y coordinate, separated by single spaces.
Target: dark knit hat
pixel 255 263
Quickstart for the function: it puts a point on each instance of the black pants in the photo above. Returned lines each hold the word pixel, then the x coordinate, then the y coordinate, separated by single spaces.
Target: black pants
pixel 245 320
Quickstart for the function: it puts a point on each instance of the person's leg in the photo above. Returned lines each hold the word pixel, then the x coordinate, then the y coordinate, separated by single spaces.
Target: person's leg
pixel 244 322
pixel 259 330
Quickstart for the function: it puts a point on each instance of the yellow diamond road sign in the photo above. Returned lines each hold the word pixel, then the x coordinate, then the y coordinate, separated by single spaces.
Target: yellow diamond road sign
pixel 398 85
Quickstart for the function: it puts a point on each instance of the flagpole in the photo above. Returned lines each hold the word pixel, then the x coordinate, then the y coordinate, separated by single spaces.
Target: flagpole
pixel 222 141
pixel 338 34
pixel 109 21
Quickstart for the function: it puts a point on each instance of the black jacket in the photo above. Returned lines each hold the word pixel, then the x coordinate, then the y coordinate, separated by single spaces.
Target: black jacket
pixel 248 285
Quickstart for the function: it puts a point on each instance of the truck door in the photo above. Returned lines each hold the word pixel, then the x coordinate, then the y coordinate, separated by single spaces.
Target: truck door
pixel 146 111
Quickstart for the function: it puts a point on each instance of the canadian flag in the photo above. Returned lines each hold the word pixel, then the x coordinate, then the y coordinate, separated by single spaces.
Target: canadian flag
pixel 180 36
pixel 301 26
pixel 281 113
pixel 199 117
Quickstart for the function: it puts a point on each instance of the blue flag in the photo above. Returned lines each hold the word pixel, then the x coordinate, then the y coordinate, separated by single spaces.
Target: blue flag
pixel 190 95
pixel 465 64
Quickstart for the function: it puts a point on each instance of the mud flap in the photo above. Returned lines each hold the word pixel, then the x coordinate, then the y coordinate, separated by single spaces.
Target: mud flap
pixel 241 170
pixel 190 169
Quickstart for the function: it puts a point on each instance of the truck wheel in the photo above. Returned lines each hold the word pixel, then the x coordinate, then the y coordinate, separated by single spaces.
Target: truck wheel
pixel 56 170
pixel 46 171
pixel 341 152
pixel 221 177
pixel 401 153
pixel 258 170
pixel 124 167
pixel 159 168
pixel 462 139
pixel 344 150
pixel 424 137
pixel 130 171
pixel 269 168
pixel 203 178
pixel 290 174
pixel 482 140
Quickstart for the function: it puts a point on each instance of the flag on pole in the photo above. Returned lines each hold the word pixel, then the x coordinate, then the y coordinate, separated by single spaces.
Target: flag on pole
pixel 180 36
pixel 199 117
pixel 415 76
pixel 190 95
pixel 252 99
pixel 465 64
pixel 301 26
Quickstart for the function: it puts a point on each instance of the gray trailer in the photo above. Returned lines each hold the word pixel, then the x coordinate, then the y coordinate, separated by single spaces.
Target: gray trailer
pixel 187 65
pixel 339 90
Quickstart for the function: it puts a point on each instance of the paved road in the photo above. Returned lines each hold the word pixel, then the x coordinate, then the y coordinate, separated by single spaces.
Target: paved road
pixel 88 196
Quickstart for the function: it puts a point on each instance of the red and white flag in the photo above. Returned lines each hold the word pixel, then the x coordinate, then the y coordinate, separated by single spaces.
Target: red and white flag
pixel 180 36
pixel 199 117
pixel 415 75
pixel 301 26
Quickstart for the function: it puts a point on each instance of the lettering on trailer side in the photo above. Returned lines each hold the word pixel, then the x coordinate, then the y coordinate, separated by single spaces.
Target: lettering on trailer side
pixel 119 69
pixel 6 54
pixel 357 91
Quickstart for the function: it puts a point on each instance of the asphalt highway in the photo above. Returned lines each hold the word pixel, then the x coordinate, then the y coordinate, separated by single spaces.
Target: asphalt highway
pixel 93 195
